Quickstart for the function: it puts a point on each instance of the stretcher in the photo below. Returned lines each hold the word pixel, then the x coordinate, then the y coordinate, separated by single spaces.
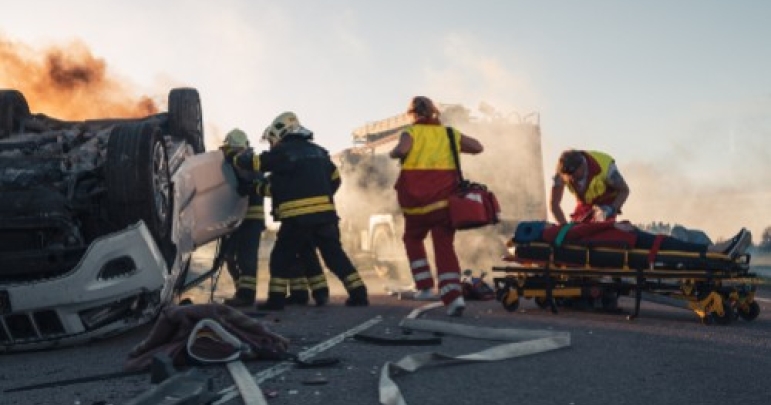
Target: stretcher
pixel 716 287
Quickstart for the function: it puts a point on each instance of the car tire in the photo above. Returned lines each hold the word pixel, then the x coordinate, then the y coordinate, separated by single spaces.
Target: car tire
pixel 13 111
pixel 138 179
pixel 186 118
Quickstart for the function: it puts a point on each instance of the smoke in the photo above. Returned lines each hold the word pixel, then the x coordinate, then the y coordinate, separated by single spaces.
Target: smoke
pixel 69 82
pixel 511 165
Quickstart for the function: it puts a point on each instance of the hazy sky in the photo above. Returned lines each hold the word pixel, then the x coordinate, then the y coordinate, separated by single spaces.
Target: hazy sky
pixel 678 91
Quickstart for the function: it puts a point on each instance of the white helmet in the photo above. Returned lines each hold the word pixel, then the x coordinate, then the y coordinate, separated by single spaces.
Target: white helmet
pixel 236 138
pixel 270 136
pixel 283 124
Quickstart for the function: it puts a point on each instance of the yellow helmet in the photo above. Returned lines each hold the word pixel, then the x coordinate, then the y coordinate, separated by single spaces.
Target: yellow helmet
pixel 236 138
pixel 285 123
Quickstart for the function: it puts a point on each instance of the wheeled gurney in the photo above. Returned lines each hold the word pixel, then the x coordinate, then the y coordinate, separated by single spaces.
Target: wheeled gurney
pixel 716 287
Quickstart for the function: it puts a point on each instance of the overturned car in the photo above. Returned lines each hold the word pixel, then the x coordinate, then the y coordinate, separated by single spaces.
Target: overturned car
pixel 99 218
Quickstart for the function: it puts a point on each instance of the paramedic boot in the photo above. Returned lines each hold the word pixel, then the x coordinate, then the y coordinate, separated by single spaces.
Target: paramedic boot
pixel 357 297
pixel 456 307
pixel 320 296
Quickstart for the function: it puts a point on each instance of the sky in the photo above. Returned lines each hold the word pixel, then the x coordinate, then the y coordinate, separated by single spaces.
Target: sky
pixel 679 92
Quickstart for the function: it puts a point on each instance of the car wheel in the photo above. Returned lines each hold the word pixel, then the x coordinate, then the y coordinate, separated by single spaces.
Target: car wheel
pixel 138 178
pixel 185 117
pixel 13 111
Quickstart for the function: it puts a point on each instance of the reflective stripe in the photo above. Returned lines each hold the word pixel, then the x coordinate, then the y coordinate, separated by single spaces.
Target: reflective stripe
pixel 317 282
pixel 255 212
pixel 353 284
pixel 449 277
pixel 305 202
pixel 256 163
pixel 449 287
pixel 425 209
pixel 416 264
pixel 278 285
pixel 423 275
pixel 298 283
pixel 303 206
pixel 247 282
pixel 306 210
pixel 352 281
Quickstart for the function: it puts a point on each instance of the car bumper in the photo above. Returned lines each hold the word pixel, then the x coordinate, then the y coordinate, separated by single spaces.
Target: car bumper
pixel 120 283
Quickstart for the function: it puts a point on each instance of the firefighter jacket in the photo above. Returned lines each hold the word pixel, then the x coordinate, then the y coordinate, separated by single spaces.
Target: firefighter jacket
pixel 256 210
pixel 597 191
pixel 303 179
pixel 249 183
pixel 428 173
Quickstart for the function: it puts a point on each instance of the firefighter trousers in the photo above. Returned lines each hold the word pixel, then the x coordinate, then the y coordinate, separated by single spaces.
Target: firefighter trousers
pixel 291 239
pixel 241 257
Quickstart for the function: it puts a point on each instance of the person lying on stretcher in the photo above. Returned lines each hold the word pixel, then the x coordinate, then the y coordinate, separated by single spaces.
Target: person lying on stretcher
pixel 615 234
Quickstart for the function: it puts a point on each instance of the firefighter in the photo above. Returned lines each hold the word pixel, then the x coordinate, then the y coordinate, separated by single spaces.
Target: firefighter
pixel 312 274
pixel 241 247
pixel 427 178
pixel 593 178
pixel 303 180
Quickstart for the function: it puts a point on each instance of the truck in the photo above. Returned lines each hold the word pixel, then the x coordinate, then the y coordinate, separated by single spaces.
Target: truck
pixel 511 166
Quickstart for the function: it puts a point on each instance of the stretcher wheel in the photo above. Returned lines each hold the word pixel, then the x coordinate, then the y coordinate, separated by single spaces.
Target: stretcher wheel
pixel 727 317
pixel 500 294
pixel 510 300
pixel 748 312
pixel 542 302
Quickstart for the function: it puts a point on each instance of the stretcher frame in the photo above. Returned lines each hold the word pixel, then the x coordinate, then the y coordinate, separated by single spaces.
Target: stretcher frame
pixel 716 287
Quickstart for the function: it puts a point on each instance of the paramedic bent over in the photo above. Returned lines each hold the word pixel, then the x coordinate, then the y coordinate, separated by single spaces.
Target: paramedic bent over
pixel 593 178
pixel 427 178
pixel 303 180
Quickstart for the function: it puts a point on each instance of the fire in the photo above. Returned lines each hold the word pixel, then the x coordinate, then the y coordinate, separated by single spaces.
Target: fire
pixel 68 82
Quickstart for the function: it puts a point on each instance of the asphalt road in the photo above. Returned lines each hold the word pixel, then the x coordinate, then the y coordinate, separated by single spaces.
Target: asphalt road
pixel 665 356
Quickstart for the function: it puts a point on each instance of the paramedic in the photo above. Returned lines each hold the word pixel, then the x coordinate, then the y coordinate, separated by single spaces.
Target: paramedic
pixel 428 176
pixel 595 181
pixel 303 180
pixel 242 246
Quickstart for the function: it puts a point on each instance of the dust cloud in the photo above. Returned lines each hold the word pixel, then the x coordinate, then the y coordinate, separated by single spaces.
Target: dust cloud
pixel 68 82
pixel 661 195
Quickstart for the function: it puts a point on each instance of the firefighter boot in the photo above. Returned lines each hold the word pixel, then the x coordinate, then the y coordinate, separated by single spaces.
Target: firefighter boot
pixel 321 296
pixel 297 297
pixel 357 297
pixel 298 291
pixel 243 297
pixel 275 302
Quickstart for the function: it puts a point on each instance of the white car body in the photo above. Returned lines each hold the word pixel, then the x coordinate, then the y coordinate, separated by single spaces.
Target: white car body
pixel 123 280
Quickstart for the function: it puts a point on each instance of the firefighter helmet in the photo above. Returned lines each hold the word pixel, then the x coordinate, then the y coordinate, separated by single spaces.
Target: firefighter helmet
pixel 236 138
pixel 283 124
pixel 270 136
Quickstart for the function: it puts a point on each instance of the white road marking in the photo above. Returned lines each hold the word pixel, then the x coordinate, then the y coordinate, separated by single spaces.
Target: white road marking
pixel 280 368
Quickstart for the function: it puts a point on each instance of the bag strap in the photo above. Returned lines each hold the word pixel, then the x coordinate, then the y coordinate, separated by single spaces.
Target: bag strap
pixel 454 149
